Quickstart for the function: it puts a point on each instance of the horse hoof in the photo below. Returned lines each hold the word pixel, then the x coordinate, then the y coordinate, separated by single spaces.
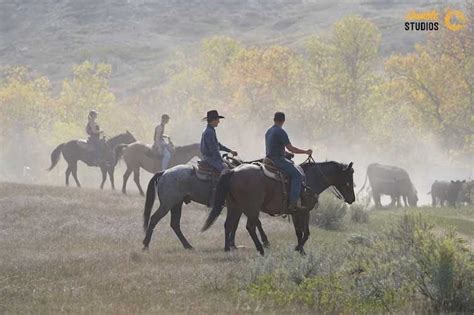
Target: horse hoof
pixel 266 244
pixel 145 248
pixel 189 247
pixel 262 253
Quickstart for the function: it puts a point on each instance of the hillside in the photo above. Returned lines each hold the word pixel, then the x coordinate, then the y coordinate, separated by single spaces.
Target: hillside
pixel 136 36
pixel 79 250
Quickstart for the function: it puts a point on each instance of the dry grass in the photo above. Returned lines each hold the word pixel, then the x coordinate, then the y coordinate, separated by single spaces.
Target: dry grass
pixel 79 250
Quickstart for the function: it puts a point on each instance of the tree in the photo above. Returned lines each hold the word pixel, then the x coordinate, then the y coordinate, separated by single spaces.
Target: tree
pixel 342 71
pixel 437 82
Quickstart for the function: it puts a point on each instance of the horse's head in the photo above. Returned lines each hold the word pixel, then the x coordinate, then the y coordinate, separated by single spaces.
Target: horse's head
pixel 128 138
pixel 344 182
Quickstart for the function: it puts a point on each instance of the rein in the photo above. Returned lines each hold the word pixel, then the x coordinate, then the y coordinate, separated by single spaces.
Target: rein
pixel 332 189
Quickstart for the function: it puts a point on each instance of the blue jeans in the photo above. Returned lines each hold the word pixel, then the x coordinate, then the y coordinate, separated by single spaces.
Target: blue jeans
pixel 217 164
pixel 296 177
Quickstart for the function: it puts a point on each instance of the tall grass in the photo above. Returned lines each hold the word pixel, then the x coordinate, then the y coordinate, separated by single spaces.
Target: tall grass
pixel 407 266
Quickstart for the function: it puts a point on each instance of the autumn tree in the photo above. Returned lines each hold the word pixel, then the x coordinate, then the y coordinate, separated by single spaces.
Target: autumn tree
pixel 26 113
pixel 342 72
pixel 437 82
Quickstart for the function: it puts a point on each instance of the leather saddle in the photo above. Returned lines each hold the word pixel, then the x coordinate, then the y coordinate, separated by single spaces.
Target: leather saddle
pixel 270 170
pixel 205 172
pixel 152 154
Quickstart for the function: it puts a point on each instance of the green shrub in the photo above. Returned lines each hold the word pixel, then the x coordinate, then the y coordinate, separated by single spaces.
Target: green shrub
pixel 445 272
pixel 359 214
pixel 330 213
pixel 411 259
pixel 406 267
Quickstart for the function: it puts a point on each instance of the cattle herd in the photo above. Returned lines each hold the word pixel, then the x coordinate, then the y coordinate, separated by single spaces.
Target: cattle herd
pixel 395 182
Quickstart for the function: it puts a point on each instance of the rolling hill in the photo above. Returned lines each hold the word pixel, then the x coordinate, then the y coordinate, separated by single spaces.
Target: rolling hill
pixel 136 36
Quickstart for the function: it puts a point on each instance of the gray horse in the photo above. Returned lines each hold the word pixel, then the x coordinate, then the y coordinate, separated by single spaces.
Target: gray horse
pixel 175 186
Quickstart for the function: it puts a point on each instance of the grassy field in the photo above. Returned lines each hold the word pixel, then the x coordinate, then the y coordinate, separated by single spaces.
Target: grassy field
pixel 79 250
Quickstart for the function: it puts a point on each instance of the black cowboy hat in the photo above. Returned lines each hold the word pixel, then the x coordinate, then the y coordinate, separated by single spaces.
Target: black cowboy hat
pixel 212 114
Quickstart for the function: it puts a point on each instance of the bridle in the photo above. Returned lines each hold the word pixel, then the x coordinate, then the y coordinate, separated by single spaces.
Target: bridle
pixel 332 188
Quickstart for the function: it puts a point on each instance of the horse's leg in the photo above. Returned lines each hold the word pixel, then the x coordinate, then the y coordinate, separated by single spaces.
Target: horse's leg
pixel 74 174
pixel 104 177
pixel 111 176
pixel 298 224
pixel 176 226
pixel 263 236
pixel 230 227
pixel 252 220
pixel 305 226
pixel 155 218
pixel 126 175
pixel 136 179
pixel 68 172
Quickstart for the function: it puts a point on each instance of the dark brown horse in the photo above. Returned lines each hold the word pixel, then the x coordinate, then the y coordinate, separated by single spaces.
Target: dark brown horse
pixel 135 156
pixel 77 150
pixel 247 190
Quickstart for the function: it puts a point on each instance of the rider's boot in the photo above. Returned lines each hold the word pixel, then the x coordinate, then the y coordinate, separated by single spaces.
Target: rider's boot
pixel 295 206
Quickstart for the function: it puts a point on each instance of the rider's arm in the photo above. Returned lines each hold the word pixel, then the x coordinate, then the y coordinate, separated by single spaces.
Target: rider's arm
pixel 296 150
pixel 211 143
pixel 158 133
pixel 94 129
pixel 223 148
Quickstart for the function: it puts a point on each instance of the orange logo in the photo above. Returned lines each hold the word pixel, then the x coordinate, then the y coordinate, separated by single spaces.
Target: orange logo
pixel 452 25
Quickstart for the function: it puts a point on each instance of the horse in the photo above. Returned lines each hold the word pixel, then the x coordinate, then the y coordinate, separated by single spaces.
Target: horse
pixel 135 156
pixel 77 150
pixel 245 189
pixel 175 186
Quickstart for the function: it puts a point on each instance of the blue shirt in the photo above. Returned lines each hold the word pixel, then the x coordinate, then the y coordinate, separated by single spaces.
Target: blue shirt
pixel 276 140
pixel 210 147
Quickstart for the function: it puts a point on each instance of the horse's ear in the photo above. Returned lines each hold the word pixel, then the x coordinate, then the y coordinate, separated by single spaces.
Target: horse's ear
pixel 128 132
pixel 350 165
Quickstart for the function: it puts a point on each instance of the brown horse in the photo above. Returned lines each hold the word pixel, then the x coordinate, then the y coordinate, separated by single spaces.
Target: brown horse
pixel 77 150
pixel 135 156
pixel 247 190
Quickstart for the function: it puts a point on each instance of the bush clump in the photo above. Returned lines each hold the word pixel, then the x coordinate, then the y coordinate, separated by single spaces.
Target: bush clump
pixel 330 213
pixel 406 267
pixel 359 214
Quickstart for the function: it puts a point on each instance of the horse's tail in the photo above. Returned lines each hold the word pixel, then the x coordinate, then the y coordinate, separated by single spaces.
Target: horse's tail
pixel 365 182
pixel 55 155
pixel 150 198
pixel 119 151
pixel 222 189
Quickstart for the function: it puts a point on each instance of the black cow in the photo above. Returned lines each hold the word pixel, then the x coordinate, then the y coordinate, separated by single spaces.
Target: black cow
pixel 392 181
pixel 466 195
pixel 449 192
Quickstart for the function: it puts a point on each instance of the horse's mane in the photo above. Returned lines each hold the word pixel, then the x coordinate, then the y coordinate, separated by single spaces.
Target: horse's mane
pixel 307 164
pixel 115 138
pixel 197 145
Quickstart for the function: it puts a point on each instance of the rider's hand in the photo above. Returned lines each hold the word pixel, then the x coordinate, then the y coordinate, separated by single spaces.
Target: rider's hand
pixel 309 152
pixel 234 153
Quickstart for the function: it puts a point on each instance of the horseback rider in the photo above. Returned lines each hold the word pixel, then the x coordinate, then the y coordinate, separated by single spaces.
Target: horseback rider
pixel 210 147
pixel 276 140
pixel 95 133
pixel 160 146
